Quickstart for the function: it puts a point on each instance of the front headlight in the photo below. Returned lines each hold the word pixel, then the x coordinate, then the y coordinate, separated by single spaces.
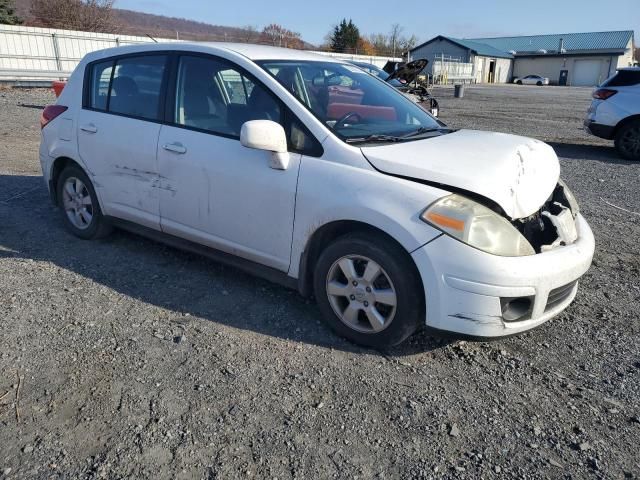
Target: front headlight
pixel 476 225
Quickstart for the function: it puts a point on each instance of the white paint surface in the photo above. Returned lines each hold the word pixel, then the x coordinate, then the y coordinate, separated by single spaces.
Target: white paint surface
pixel 219 193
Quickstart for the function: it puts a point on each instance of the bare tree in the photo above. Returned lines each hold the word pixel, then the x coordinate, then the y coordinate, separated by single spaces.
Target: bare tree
pixel 380 42
pixel 407 44
pixel 395 35
pixel 86 15
pixel 249 34
pixel 279 36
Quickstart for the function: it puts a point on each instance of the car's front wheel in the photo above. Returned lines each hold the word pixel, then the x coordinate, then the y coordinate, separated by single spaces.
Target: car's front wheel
pixel 369 290
pixel 627 140
pixel 539 84
pixel 519 82
pixel 81 212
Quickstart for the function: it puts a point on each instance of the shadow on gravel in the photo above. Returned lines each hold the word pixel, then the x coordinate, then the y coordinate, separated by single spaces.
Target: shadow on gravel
pixel 31 229
pixel 588 152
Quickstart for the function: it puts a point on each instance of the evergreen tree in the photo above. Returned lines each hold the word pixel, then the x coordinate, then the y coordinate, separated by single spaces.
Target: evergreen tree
pixel 7 13
pixel 345 36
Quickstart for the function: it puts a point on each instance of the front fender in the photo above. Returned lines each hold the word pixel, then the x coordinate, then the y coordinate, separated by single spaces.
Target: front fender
pixel 330 192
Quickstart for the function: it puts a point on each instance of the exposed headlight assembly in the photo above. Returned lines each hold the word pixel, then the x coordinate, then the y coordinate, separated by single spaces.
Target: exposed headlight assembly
pixel 571 199
pixel 477 226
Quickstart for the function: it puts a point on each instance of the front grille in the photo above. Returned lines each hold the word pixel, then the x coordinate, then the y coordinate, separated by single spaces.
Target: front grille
pixel 559 295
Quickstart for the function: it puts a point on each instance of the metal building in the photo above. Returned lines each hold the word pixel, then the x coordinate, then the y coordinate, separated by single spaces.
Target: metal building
pixel 585 59
pixel 449 56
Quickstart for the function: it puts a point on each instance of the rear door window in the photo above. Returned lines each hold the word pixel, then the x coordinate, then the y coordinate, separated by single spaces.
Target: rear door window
pixel 136 86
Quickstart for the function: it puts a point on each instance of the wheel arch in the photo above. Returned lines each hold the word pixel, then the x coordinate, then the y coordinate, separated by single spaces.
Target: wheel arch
pixel 326 234
pixel 624 122
pixel 57 167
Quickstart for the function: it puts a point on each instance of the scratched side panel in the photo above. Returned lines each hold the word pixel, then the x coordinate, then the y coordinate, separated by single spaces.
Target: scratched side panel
pixel 121 158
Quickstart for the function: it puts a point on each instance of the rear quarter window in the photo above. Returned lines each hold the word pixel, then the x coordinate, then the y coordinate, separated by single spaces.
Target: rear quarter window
pixel 99 84
pixel 624 78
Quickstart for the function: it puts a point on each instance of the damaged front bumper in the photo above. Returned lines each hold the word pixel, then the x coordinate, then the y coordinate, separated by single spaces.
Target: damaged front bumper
pixel 474 293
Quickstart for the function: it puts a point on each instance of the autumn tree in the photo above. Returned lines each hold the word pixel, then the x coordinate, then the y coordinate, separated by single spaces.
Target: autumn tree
pixel 278 36
pixel 345 36
pixel 8 14
pixel 85 15
pixel 365 47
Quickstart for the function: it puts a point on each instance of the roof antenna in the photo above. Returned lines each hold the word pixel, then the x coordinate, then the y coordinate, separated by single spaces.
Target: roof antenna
pixel 156 41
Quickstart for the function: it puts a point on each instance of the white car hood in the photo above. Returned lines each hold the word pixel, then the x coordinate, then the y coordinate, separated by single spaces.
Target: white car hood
pixel 517 173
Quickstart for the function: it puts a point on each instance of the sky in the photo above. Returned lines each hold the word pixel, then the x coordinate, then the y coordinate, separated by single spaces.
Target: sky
pixel 425 19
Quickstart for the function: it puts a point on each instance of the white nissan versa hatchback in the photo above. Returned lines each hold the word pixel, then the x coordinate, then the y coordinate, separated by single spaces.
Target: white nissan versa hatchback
pixel 313 173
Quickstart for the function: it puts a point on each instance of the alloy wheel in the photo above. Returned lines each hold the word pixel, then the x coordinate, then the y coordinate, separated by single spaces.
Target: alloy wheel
pixel 630 141
pixel 77 203
pixel 361 294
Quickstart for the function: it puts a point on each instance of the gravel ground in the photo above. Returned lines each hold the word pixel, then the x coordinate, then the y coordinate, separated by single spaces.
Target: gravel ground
pixel 125 358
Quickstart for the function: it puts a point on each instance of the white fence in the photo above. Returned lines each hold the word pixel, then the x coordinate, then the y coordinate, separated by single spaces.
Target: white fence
pixel 378 61
pixel 448 70
pixel 46 53
pixel 32 53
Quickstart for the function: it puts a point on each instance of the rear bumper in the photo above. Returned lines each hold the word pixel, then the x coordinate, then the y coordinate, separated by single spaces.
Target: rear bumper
pixel 464 287
pixel 599 130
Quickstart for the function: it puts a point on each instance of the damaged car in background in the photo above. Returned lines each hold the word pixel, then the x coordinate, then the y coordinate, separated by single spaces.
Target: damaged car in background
pixel 354 195
pixel 404 76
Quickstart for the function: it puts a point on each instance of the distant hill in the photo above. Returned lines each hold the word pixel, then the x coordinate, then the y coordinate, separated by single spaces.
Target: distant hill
pixel 129 22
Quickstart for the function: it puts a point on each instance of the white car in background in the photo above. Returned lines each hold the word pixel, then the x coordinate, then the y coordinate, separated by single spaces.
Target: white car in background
pixel 614 113
pixel 531 80
pixel 356 195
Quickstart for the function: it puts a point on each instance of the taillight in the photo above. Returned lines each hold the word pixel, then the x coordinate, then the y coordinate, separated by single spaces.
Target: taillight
pixel 604 93
pixel 49 113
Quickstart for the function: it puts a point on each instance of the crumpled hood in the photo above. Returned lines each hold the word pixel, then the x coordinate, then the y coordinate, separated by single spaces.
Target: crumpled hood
pixel 517 173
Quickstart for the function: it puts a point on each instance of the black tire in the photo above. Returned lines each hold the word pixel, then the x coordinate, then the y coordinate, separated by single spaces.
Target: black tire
pixel 399 267
pixel 627 140
pixel 98 227
pixel 539 84
pixel 519 82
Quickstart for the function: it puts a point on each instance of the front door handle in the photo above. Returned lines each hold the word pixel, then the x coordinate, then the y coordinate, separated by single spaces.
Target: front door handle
pixel 175 147
pixel 90 128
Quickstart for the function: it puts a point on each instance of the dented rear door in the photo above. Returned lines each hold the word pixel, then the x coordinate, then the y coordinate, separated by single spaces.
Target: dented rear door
pixel 118 129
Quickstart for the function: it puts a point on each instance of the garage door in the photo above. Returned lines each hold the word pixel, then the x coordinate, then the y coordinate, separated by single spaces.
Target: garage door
pixel 586 72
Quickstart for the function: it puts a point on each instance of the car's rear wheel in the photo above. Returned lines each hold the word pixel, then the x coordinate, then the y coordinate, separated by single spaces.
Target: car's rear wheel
pixel 627 140
pixel 369 290
pixel 78 201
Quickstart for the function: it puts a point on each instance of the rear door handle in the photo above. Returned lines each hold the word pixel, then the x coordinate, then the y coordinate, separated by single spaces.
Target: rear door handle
pixel 91 128
pixel 175 147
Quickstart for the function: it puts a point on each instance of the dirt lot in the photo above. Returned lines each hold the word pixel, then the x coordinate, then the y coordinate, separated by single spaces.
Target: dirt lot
pixel 125 358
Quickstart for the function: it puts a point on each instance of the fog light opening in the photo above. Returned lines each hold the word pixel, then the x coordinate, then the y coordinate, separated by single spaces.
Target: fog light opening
pixel 516 309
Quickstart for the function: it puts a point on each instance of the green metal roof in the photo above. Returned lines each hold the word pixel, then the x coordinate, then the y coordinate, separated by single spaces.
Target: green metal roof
pixel 478 48
pixel 482 49
pixel 592 41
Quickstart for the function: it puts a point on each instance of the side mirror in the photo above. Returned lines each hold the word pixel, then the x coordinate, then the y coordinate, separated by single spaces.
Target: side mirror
pixel 267 135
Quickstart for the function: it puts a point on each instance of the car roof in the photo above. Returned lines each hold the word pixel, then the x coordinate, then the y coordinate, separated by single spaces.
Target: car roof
pixel 251 51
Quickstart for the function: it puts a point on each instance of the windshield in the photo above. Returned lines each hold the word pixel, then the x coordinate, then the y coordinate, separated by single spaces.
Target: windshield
pixel 356 106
